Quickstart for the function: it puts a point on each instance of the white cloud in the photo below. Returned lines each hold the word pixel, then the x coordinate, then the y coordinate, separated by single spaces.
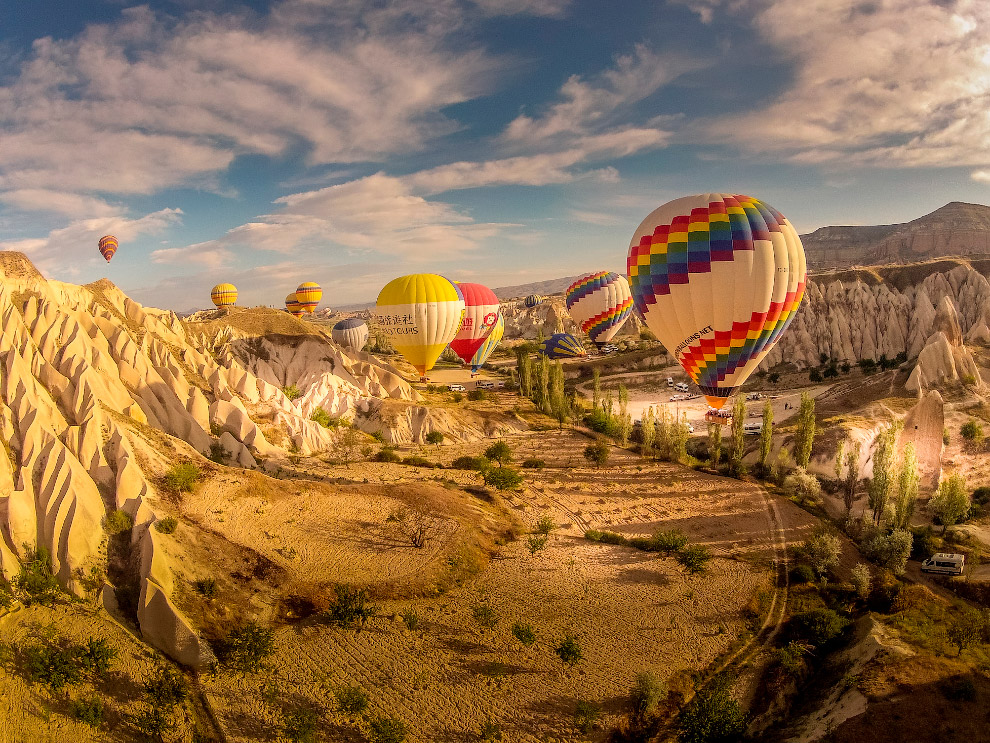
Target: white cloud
pixel 600 219
pixel 981 176
pixel 898 83
pixel 202 254
pixel 69 204
pixel 550 8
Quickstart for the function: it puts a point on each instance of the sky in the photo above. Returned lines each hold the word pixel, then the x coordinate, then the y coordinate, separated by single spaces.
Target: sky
pixel 501 141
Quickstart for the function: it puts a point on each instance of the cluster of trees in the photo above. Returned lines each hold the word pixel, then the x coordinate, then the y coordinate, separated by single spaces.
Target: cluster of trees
pixel 830 368
pixel 663 436
pixel 543 382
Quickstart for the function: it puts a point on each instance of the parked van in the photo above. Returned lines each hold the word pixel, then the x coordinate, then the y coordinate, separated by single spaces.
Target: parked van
pixel 944 562
pixel 485 385
pixel 670 381
pixel 753 427
pixel 456 388
pixel 681 387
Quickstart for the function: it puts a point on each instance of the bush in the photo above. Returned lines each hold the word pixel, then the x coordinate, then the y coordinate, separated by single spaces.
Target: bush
pixel 166 688
pixel 218 454
pixel 815 376
pixel 325 419
pixel 300 725
pixel 410 618
pixel 491 732
pixel 713 716
pixel 167 525
pixel 695 558
pixel 54 667
pixel 803 486
pixel 924 543
pixel 958 689
pixel 862 580
pixel 117 521
pixel 606 537
pixel 246 647
pixel 182 477
pixel 387 454
pixel 457 397
pixel 485 616
pixel 890 551
pixel 569 650
pixel 89 711
pixel 533 464
pixel 350 605
pixel 598 453
pixel 586 715
pixel 647 693
pixel 972 432
pixel 822 550
pixel 791 658
pixel 475 395
pixel 206 587
pixel 802 574
pixel 545 525
pixel 471 463
pixel 666 541
pixel 37 578
pixel 351 700
pixel 418 461
pixel 97 655
pixel 536 543
pixel 524 633
pixel 434 437
pixel 502 478
pixel 387 730
pixel 499 452
pixel 292 392
pixel 818 626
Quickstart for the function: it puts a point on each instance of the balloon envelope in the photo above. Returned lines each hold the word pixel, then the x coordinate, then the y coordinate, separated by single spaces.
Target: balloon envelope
pixel 600 303
pixel 108 246
pixel 224 295
pixel 534 299
pixel 292 305
pixel 718 277
pixel 308 294
pixel 482 354
pixel 562 346
pixel 480 315
pixel 420 314
pixel 351 333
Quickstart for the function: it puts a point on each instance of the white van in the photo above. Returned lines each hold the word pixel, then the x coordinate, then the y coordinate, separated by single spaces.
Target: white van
pixel 753 427
pixel 670 381
pixel 485 385
pixel 681 387
pixel 944 562
pixel 456 388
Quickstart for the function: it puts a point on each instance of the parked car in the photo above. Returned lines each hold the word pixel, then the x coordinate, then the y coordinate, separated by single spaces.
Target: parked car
pixel 681 387
pixel 457 388
pixel 754 428
pixel 670 381
pixel 609 348
pixel 947 563
pixel 485 385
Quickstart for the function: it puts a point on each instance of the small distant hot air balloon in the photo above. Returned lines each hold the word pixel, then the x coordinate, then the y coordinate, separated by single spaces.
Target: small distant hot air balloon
pixel 224 295
pixel 480 315
pixel 534 299
pixel 718 278
pixel 308 294
pixel 420 314
pixel 600 303
pixel 562 346
pixel 108 246
pixel 482 354
pixel 292 305
pixel 351 333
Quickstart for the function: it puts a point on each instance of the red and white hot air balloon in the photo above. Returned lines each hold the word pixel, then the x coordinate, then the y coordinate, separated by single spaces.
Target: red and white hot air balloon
pixel 480 317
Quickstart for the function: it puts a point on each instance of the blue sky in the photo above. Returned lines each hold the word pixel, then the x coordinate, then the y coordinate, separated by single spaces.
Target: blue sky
pixel 501 141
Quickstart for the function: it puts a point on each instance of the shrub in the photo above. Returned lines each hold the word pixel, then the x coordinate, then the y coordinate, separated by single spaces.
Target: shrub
pixel 972 431
pixel 822 549
pixel 351 700
pixel 803 486
pixel 167 525
pixel 536 543
pixel 325 419
pixel 470 463
pixel 218 454
pixel 387 454
pixel 818 626
pixel 350 605
pixel 815 376
pixel 485 616
pixel 713 716
pixel 502 478
pixel 300 725
pixel 545 525
pixel 434 437
pixel 97 655
pixel 246 647
pixel 802 574
pixel 569 650
pixel 606 537
pixel 417 461
pixel 958 689
pixel 117 521
pixel 524 633
pixel 598 453
pixel 457 397
pixel 182 477
pixel 648 691
pixel 890 551
pixel 206 587
pixel 695 558
pixel 499 452
pixel 666 541
pixel 387 730
pixel 533 464
pixel 791 658
pixel 410 618
pixel 586 715
pixel 166 688
pixel 491 732
pixel 89 711
pixel 924 543
pixel 475 395
pixel 37 579
pixel 54 667
pixel 862 580
pixel 291 391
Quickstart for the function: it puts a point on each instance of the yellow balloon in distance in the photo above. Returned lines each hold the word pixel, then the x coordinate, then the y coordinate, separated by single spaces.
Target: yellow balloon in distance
pixel 224 295
pixel 420 314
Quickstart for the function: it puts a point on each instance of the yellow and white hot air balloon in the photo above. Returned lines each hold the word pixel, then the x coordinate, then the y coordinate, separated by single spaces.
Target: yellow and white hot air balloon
pixel 718 278
pixel 308 294
pixel 292 305
pixel 224 295
pixel 420 314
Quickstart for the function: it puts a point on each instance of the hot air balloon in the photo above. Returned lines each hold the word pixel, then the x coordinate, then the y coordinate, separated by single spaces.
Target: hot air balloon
pixel 534 299
pixel 562 346
pixel 224 295
pixel 308 294
pixel 600 303
pixel 351 333
pixel 420 314
pixel 718 278
pixel 108 246
pixel 482 354
pixel 292 305
pixel 480 315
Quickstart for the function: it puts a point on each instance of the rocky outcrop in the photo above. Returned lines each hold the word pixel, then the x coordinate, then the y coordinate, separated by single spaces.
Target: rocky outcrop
pixel 529 323
pixel 944 359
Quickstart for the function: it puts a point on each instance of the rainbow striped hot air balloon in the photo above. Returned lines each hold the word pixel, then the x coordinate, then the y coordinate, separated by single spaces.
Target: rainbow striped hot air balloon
pixel 224 295
pixel 600 303
pixel 482 354
pixel 718 277
pixel 562 346
pixel 420 313
pixel 480 315
pixel 350 333
pixel 108 246
pixel 308 294
pixel 292 305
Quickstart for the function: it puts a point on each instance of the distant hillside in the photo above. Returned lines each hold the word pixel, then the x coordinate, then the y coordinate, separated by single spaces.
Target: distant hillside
pixel 956 229
pixel 549 286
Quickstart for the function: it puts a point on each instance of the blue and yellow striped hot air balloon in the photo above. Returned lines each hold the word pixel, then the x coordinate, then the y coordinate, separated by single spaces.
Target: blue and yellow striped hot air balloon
pixel 420 314
pixel 482 354
pixel 308 294
pixel 224 295
pixel 562 346
pixel 534 299
pixel 600 303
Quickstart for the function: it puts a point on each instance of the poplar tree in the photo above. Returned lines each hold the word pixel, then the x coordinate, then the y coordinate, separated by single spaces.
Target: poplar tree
pixel 908 484
pixel 805 437
pixel 766 437
pixel 714 444
pixel 738 435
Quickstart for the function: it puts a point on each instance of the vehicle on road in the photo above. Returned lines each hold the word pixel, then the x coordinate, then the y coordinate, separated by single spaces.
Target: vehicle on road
pixel 485 385
pixel 947 563
pixel 753 428
pixel 670 381
pixel 457 388
pixel 608 348
pixel 681 387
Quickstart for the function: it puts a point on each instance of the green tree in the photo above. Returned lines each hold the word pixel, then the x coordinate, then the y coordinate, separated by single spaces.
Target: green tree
pixel 524 367
pixel 804 439
pixel 541 384
pixel 883 479
pixel 681 434
pixel 502 478
pixel 823 549
pixel 908 485
pixel 247 646
pixel 738 435
pixel 839 460
pixel 624 422
pixel 596 388
pixel 714 444
pixel 972 432
pixel 649 433
pixel 560 407
pixel 852 477
pixel 499 452
pixel 766 437
pixel 713 716
pixel 951 502
pixel 434 437
pixel 569 650
pixel 598 453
